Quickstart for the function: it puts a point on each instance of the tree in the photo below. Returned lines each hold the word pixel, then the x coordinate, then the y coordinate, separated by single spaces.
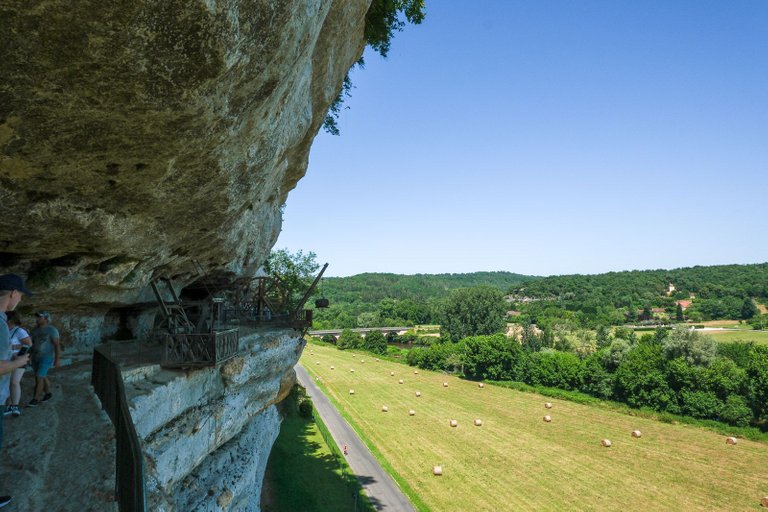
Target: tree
pixel 382 20
pixel 472 312
pixel 757 377
pixel 697 349
pixel 296 271
pixel 748 309
pixel 375 342
pixel 349 339
pixel 679 314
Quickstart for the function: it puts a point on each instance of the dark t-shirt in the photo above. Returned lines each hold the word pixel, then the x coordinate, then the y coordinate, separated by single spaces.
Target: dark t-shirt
pixel 42 341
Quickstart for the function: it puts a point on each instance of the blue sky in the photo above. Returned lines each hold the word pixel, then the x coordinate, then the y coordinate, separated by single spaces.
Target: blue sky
pixel 548 137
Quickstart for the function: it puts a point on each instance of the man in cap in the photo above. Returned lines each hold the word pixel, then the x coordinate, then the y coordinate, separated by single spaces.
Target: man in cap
pixel 12 290
pixel 46 352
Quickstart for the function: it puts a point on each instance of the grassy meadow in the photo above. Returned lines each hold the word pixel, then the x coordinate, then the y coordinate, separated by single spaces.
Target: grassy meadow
pixel 516 461
pixel 304 473
pixel 757 337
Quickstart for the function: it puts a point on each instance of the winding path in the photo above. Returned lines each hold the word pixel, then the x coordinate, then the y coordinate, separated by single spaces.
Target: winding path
pixel 382 491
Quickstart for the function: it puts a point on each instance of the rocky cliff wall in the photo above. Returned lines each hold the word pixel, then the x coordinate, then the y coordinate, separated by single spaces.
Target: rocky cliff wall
pixel 207 433
pixel 157 137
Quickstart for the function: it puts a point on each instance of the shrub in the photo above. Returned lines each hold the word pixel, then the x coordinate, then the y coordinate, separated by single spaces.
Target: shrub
pixel 329 338
pixel 555 369
pixel 736 412
pixel 305 408
pixel 700 404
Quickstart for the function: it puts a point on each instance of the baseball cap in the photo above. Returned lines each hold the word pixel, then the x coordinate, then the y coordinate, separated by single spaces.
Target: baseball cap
pixel 44 314
pixel 13 282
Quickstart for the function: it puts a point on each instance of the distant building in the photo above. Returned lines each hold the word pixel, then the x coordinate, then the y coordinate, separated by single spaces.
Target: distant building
pixel 671 289
pixel 685 304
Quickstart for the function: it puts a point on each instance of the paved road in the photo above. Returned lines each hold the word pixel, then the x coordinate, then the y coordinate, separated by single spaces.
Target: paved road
pixel 378 485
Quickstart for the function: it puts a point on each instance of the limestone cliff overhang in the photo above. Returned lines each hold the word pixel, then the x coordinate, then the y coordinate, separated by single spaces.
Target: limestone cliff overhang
pixel 140 138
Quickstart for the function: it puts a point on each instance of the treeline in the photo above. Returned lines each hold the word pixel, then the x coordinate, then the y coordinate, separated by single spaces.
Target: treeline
pixel 676 371
pixel 375 299
pixel 721 292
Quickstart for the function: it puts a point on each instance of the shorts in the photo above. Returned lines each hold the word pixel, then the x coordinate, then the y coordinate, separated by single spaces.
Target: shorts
pixel 42 365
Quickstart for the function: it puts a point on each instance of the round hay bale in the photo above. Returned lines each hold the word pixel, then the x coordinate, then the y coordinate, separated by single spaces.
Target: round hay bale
pixel 478 423
pixel 548 405
pixel 317 362
pixel 730 440
pixel 445 384
pixel 415 372
pixel 764 501
pixel 400 381
pixel 454 423
pixel 411 413
pixel 437 470
pixel 384 408
pixel 547 418
pixel 333 367
pixel 480 385
pixel 351 391
pixel 351 370
pixel 391 374
pixel 418 393
pixel 377 359
pixel 606 443
pixel 637 433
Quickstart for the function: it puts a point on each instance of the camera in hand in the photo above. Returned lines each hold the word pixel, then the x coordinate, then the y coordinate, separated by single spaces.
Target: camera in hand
pixel 23 350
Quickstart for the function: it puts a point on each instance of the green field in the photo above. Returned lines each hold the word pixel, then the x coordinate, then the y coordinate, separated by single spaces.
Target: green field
pixel 516 461
pixel 757 337
pixel 303 473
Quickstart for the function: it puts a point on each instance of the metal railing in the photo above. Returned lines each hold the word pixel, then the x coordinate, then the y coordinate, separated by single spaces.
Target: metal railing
pixel 107 382
pixel 248 316
pixel 199 349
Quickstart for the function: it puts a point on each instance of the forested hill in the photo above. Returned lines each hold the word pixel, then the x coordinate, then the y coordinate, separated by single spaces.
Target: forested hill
pixel 373 287
pixel 650 286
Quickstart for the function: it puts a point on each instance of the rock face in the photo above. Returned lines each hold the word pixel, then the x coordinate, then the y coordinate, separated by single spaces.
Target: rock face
pixel 142 138
pixel 207 433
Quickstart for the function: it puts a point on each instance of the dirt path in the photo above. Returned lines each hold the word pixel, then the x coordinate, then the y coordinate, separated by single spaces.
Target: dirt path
pixel 378 485
pixel 59 455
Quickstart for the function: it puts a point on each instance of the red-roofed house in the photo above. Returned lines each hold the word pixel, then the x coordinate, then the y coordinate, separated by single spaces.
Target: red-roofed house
pixel 685 304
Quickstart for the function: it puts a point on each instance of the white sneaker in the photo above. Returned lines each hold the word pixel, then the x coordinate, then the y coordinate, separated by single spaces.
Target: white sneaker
pixel 15 411
pixel 7 411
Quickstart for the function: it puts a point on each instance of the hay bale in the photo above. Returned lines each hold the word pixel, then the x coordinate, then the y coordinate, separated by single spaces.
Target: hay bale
pixel 377 359
pixel 548 405
pixel 333 367
pixel 411 413
pixel 637 433
pixel 547 418
pixel 480 385
pixel 437 470
pixel 454 423
pixel 400 381
pixel 730 440
pixel 764 501
pixel 362 361
pixel 351 370
pixel 391 374
pixel 384 408
pixel 351 391
pixel 478 423
pixel 445 384
pixel 606 443
pixel 418 394
pixel 415 372
pixel 317 362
